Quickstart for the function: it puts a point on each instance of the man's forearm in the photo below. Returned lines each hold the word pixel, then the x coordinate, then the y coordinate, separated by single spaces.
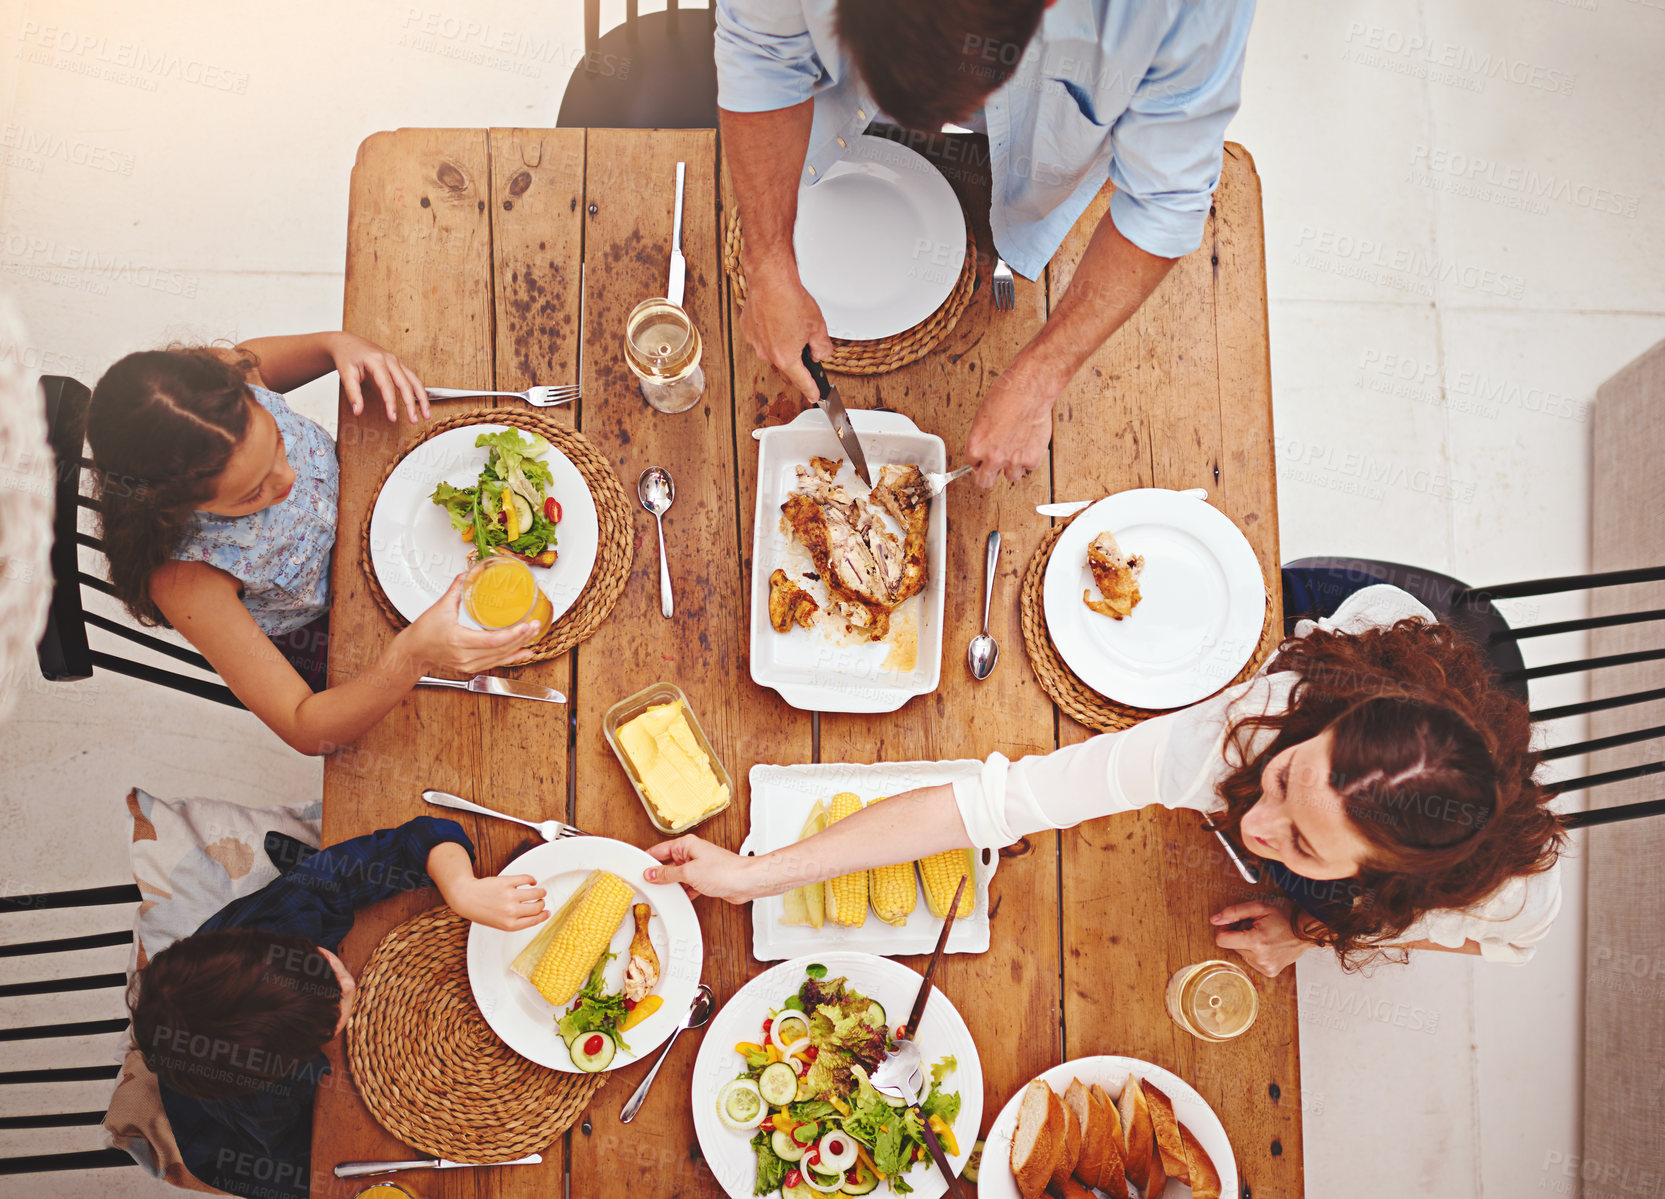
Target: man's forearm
pixel 765 152
pixel 1113 279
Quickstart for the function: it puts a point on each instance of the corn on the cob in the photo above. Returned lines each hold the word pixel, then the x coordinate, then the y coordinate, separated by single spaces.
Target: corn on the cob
pixel 846 896
pixel 941 873
pixel 894 890
pixel 559 959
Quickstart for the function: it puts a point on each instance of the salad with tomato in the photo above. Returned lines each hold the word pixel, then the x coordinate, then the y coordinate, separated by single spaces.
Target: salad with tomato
pixel 820 1128
pixel 509 509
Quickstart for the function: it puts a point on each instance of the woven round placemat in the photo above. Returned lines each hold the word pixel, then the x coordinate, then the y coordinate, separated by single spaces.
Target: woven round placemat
pixel 1079 701
pixel 881 354
pixel 430 1069
pixel 615 539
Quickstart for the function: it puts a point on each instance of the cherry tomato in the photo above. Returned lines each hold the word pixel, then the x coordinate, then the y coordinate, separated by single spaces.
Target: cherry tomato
pixel 629 1005
pixel 592 1046
pixel 852 1175
pixel 794 1177
pixel 502 518
pixel 813 1052
pixel 812 1158
pixel 766 1025
pixel 552 510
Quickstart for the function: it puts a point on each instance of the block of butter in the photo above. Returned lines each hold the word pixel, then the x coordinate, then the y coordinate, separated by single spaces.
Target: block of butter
pixel 675 772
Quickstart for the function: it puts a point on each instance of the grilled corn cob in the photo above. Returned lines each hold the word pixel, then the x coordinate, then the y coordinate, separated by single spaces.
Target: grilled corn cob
pixel 559 959
pixel 941 873
pixel 846 896
pixel 894 890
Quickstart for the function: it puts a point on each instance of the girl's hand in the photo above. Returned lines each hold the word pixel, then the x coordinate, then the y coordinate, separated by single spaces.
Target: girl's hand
pixel 510 902
pixel 357 360
pixel 1268 943
pixel 438 638
pixel 703 869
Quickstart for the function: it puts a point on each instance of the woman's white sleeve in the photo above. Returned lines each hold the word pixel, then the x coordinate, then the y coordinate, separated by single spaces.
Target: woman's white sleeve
pixel 1111 773
pixel 1508 925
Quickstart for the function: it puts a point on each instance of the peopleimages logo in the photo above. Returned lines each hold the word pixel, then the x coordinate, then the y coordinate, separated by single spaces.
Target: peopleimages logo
pixel 94 54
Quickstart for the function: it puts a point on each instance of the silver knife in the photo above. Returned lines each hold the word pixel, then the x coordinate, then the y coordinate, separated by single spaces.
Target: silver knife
pixel 1250 875
pixel 834 408
pixel 1071 507
pixel 361 1169
pixel 679 264
pixel 490 684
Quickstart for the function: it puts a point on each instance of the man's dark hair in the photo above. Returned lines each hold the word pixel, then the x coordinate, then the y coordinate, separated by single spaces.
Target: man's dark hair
pixel 226 1013
pixel 928 62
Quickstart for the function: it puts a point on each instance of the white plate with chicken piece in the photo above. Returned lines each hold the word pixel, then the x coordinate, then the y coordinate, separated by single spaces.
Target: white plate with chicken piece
pixel 834 665
pixel 523 1018
pixel 1202 600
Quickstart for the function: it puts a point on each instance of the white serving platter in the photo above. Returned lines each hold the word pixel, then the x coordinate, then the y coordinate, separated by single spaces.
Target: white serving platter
pixel 781 799
pixel 824 669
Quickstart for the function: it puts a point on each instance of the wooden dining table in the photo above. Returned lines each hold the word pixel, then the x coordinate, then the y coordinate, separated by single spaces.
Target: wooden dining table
pixel 503 258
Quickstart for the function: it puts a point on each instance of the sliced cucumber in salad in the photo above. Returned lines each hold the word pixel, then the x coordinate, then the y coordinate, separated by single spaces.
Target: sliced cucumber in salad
pixel 778 1084
pixel 786 1148
pixel 740 1105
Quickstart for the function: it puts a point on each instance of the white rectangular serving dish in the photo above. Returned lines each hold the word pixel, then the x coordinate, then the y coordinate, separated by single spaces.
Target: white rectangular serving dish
pixel 781 798
pixel 824 669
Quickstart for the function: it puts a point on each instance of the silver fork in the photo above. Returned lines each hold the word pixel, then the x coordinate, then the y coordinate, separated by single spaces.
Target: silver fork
pixel 549 830
pixel 1005 291
pixel 538 397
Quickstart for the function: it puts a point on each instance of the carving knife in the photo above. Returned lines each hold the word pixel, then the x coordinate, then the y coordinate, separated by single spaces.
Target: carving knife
pixel 834 408
pixel 679 264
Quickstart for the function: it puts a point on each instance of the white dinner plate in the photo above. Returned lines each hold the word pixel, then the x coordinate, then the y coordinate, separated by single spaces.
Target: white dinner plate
pixel 1203 605
pixel 822 668
pixel 416 553
pixel 942 1033
pixel 880 240
pixel 781 799
pixel 995 1181
pixel 524 1019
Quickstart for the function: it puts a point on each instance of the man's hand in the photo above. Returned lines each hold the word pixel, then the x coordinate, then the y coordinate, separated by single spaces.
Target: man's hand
pixel 1268 942
pixel 1012 430
pixel 781 318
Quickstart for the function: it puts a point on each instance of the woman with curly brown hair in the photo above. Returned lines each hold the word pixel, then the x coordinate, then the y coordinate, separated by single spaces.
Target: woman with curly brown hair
pixel 1373 766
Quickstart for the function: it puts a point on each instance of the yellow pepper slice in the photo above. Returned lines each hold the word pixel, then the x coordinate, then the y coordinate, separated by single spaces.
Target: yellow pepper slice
pixel 649 1005
pixel 945 1134
pixel 747 1048
pixel 783 1123
pixel 772 1053
pixel 510 517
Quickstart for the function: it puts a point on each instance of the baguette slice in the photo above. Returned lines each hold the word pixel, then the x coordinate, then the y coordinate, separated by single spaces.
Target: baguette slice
pixel 1112 1171
pixel 1069 1146
pixel 1068 1188
pixel 1166 1127
pixel 1040 1125
pixel 1090 1147
pixel 1205 1179
pixel 1144 1164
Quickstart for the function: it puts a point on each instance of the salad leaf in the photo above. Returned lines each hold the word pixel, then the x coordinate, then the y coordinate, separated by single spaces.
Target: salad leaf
pixel 771 1170
pixel 811 1109
pixel 593 1010
pixel 942 1103
pixel 878 1126
pixel 816 970
pixel 945 1067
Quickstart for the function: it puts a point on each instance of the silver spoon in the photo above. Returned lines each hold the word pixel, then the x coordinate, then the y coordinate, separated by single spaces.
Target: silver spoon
pixel 901 1076
pixel 984 651
pixel 698 1013
pixel 657 491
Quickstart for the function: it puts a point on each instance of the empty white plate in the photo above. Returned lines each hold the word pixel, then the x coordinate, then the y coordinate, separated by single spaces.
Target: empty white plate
pixel 1204 600
pixel 880 240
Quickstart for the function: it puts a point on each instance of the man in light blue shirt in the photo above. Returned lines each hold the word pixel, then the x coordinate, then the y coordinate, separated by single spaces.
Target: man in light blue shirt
pixel 1070 92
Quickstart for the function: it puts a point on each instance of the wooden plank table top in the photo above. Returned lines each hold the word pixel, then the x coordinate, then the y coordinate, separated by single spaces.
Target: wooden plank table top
pixel 506 257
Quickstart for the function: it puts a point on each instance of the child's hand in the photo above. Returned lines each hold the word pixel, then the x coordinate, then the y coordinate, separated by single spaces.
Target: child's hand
pixel 357 360
pixel 510 902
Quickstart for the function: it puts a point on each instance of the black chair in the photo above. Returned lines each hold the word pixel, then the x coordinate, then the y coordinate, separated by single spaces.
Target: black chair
pixel 64 653
pixel 1315 585
pixel 656 71
pixel 60 900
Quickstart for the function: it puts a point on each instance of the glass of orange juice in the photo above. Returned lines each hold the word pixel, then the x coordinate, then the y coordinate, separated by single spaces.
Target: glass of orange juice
pixel 499 592
pixel 384 1190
